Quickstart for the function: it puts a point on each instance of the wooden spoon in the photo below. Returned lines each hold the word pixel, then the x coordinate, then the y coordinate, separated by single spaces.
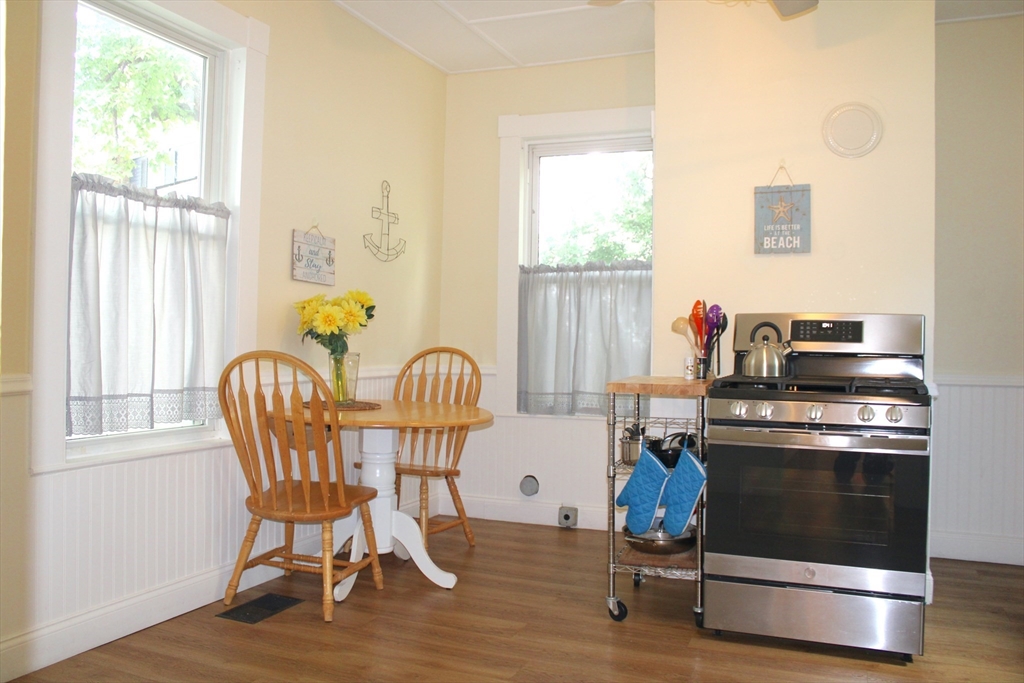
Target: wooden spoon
pixel 697 317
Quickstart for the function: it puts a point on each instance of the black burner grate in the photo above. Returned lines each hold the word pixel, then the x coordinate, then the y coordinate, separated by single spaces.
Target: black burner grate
pixel 905 386
pixel 744 382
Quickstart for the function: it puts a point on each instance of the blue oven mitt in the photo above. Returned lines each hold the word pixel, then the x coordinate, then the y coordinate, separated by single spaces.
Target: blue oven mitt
pixel 681 492
pixel 642 493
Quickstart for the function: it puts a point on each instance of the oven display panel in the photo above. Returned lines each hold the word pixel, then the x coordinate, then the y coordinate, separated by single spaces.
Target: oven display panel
pixel 844 331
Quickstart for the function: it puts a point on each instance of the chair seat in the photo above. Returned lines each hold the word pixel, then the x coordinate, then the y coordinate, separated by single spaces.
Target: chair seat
pixel 319 510
pixel 421 471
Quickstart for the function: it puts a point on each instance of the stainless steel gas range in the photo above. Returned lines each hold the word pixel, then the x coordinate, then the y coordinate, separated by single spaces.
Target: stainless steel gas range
pixel 818 481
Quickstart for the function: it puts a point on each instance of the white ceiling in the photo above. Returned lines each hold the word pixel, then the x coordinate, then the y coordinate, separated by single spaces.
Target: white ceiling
pixel 963 10
pixel 459 36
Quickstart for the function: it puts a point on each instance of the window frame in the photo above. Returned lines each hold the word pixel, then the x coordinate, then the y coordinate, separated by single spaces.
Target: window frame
pixel 516 133
pixel 234 139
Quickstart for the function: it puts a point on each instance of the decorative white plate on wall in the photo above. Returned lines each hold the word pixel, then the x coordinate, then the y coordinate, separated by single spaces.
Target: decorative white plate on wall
pixel 852 130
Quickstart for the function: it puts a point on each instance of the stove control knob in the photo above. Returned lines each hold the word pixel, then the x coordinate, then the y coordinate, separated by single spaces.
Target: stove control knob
pixel 738 408
pixel 815 412
pixel 894 414
pixel 765 411
pixel 866 414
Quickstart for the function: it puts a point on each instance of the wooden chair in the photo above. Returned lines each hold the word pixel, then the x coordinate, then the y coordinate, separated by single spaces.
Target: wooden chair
pixel 441 375
pixel 297 422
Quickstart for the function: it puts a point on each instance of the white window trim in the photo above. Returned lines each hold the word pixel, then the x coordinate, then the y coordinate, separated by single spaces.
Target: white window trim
pixel 515 134
pixel 246 44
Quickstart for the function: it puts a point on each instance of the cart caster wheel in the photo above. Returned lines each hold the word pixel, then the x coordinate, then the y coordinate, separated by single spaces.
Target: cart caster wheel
pixel 620 614
pixel 717 631
pixel 698 618
pixel 637 580
pixel 909 659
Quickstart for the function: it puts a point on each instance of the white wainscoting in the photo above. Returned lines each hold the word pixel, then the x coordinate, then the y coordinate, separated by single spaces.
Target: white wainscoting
pixel 107 550
pixel 115 548
pixel 567 455
pixel 978 470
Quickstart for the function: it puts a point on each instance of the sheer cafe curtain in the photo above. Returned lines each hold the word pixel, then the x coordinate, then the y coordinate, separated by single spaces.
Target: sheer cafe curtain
pixel 579 327
pixel 146 308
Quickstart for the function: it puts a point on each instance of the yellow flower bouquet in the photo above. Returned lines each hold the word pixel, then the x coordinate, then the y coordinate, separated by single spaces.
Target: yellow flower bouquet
pixel 329 322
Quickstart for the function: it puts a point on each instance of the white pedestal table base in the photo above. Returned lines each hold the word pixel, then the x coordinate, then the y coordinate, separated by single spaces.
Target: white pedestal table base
pixel 395 531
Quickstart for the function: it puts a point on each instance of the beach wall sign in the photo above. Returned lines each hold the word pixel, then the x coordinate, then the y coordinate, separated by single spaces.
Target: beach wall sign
pixel 782 219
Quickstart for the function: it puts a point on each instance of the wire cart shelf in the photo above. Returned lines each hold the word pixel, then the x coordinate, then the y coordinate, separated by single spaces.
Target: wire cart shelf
pixel 622 558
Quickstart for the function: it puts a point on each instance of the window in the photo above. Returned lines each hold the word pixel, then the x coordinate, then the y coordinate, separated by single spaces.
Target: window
pixel 569 325
pixel 140 105
pixel 591 202
pixel 156 107
pixel 585 293
pixel 147 279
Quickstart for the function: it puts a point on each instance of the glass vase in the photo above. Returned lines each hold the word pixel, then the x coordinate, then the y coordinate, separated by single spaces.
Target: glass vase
pixel 344 376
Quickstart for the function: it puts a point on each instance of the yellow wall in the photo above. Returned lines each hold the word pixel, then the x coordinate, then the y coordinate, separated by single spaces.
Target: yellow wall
pixel 19 160
pixel 475 101
pixel 345 154
pixel 737 91
pixel 979 223
pixel 19 154
pixel 346 110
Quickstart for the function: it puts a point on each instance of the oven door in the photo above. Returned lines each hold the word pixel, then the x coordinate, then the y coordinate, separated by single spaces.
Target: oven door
pixel 848 510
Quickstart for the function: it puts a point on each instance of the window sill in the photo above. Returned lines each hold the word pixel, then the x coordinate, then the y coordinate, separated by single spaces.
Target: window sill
pixel 548 416
pixel 132 451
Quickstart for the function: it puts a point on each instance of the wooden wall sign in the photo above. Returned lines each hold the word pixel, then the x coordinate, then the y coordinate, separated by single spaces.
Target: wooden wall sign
pixel 782 219
pixel 313 256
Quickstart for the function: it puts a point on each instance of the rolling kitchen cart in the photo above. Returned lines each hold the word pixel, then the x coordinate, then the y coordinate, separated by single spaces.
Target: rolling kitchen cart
pixel 622 558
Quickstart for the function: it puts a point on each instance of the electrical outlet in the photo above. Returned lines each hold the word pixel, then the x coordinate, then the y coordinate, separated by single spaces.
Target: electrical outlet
pixel 568 516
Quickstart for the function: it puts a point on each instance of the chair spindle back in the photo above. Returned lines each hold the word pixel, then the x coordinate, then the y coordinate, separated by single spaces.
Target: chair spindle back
pixel 282 444
pixel 438 375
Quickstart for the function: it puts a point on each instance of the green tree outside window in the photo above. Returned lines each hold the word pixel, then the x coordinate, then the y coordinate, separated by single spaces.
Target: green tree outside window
pixel 137 96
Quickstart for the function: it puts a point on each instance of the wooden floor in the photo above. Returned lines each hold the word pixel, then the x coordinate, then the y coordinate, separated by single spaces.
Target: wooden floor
pixel 529 606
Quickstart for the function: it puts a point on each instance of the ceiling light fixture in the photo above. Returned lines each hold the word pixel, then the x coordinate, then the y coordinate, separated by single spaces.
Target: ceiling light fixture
pixel 786 9
pixel 791 9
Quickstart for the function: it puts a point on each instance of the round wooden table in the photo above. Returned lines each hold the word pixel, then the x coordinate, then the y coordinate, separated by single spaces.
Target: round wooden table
pixel 378 443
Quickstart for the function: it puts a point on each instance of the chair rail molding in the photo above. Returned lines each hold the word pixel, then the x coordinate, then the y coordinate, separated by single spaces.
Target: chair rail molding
pixel 14 385
pixel 980 380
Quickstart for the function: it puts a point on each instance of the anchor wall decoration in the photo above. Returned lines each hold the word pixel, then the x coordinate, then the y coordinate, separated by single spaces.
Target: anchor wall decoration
pixel 383 250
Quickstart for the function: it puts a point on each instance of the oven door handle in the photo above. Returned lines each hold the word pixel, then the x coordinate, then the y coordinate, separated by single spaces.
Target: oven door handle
pixel 900 444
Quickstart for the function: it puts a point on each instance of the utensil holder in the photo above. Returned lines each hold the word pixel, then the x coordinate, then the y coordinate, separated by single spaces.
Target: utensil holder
pixel 630 450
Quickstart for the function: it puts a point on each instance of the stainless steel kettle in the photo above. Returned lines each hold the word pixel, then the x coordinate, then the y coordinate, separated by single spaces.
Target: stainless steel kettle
pixel 766 359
